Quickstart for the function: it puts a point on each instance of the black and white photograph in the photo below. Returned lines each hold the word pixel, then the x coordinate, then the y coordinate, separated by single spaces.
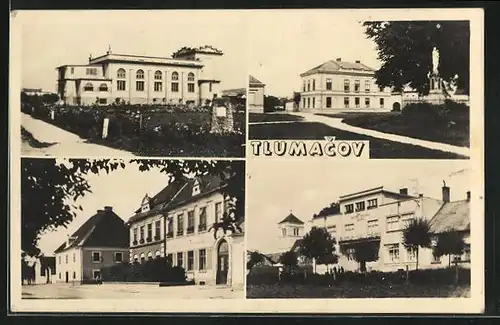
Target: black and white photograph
pixel 357 230
pixel 401 85
pixel 143 229
pixel 152 84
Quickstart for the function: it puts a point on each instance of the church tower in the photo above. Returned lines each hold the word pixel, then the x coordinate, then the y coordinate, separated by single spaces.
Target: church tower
pixel 291 229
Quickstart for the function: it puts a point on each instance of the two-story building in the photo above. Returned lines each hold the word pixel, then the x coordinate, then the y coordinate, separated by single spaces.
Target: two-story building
pixel 101 242
pixel 191 75
pixel 256 92
pixel 375 218
pixel 338 85
pixel 188 209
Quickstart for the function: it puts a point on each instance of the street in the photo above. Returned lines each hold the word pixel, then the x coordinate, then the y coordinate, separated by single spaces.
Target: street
pixel 128 291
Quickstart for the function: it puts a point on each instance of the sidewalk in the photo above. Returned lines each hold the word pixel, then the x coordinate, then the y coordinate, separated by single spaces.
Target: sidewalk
pixel 64 143
pixel 337 124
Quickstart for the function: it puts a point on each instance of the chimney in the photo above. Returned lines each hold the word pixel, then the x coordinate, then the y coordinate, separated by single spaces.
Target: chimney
pixel 358 61
pixel 108 208
pixel 421 195
pixel 100 210
pixel 339 59
pixel 446 193
pixel 468 195
pixel 403 191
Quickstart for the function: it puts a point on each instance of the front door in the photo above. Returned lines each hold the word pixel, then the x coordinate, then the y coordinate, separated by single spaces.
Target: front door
pixel 222 263
pixel 67 277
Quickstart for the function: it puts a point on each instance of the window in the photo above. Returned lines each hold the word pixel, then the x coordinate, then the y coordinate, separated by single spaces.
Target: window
pixel 309 85
pixel 66 258
pixel 150 232
pixel 328 84
pixel 349 227
pixel 373 227
pixel 372 203
pixel 96 274
pixel 218 211
pixel 96 256
pixel 314 102
pixel 393 223
pixel 393 252
pixel 328 102
pixel 202 225
pixel 121 74
pixel 411 254
pixel 381 103
pixel 139 74
pixel 347 85
pixel 202 265
pixel 210 87
pixel 74 257
pixel 180 259
pixel 356 86
pixel 283 232
pixel 72 70
pixel 170 227
pixel 170 258
pixel 103 101
pixel 304 86
pixel 349 208
pixel 190 87
pixel 190 261
pixel 118 257
pixel 135 235
pixel 191 77
pixel 158 75
pixel 120 85
pixel 190 225
pixel 175 76
pixel 88 87
pixel 139 85
pixel 303 102
pixel 346 102
pixel 180 225
pixel 141 234
pixel 436 259
pixel 314 84
pixel 356 102
pixel 308 102
pixel 332 229
pixel 59 275
pixel 350 253
pixel 295 231
pixel 157 229
pixel 367 86
pixel 360 206
pixel 407 219
pixel 175 87
pixel 74 275
pixel 367 102
pixel 91 71
pixel 158 86
pixel 103 87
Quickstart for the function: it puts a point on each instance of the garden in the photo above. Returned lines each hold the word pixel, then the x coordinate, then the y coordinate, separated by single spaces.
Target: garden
pixel 148 130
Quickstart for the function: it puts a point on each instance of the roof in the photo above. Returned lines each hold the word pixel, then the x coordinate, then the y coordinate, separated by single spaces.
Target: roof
pixel 95 232
pixel 333 66
pixel 370 191
pixel 296 245
pixel 291 218
pixel 452 216
pixel 234 92
pixel 273 257
pixel 255 82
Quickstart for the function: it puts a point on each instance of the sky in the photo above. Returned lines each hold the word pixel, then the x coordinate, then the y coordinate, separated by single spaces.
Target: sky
pixel 121 189
pixel 51 39
pixel 280 186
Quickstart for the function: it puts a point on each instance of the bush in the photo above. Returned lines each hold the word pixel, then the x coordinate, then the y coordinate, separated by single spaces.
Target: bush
pixel 440 114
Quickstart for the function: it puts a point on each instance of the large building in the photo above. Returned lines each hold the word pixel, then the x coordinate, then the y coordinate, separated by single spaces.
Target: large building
pixel 338 85
pixel 376 217
pixel 182 215
pixel 189 76
pixel 101 242
pixel 256 92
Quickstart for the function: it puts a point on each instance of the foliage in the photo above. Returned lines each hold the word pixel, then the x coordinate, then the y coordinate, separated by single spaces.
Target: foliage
pixel 255 259
pixel 405 50
pixel 318 244
pixel 296 98
pixel 366 251
pixel 289 259
pixel 417 234
pixel 270 103
pixel 333 208
pixel 50 189
pixel 449 243
pixel 155 270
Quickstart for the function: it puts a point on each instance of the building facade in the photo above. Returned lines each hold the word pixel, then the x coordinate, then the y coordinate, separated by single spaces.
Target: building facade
pixel 189 76
pixel 256 92
pixel 92 248
pixel 338 85
pixel 188 209
pixel 376 218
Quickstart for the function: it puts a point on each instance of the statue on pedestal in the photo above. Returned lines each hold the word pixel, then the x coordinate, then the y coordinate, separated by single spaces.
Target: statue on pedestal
pixel 435 60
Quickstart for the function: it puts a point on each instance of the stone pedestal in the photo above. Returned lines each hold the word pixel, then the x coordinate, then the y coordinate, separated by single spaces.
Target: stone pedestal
pixel 222 116
pixel 436 94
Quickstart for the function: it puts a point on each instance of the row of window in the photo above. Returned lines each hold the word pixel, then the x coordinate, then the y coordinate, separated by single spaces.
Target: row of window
pixel 146 233
pixel 360 206
pixel 191 260
pixel 295 230
pixel 393 254
pixel 96 257
pixel 121 85
pixel 306 102
pixel 190 227
pixel 311 85
pixel 158 75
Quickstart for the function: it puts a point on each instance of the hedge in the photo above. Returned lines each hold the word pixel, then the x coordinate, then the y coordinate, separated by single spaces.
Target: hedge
pixel 155 270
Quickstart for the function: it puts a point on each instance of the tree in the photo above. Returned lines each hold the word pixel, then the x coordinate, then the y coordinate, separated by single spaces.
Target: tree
pixel 405 50
pixel 417 234
pixel 270 103
pixel 319 245
pixel 366 252
pixel 289 259
pixel 296 98
pixel 450 243
pixel 50 99
pixel 333 208
pixel 255 258
pixel 50 189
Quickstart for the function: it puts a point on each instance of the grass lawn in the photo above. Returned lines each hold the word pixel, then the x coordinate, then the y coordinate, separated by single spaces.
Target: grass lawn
pixel 456 132
pixel 379 148
pixel 355 290
pixel 278 117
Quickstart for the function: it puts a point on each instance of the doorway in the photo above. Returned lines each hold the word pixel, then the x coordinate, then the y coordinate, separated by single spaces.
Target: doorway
pixel 67 277
pixel 222 262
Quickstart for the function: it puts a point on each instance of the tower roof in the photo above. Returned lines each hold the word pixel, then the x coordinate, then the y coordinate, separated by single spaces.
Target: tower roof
pixel 291 218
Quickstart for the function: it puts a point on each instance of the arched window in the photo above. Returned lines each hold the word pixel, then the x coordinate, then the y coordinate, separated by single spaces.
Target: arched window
pixel 103 87
pixel 175 76
pixel 121 73
pixel 88 87
pixel 158 75
pixel 139 74
pixel 191 76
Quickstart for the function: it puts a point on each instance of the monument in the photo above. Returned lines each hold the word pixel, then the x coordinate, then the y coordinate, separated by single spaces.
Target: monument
pixel 436 93
pixel 222 116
